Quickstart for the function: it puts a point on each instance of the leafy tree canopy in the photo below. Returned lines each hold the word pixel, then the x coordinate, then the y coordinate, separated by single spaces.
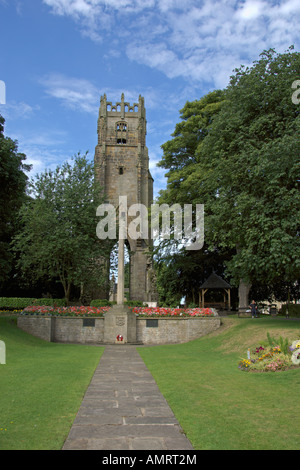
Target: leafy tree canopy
pixel 237 152
pixel 13 180
pixel 59 226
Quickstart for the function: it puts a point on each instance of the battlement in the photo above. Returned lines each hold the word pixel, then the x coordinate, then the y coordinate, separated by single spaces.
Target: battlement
pixel 107 108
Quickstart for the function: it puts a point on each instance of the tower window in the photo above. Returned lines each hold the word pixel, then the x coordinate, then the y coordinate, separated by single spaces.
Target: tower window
pixel 121 170
pixel 121 126
pixel 121 132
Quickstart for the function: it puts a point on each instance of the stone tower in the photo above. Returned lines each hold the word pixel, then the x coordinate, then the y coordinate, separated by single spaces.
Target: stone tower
pixel 122 169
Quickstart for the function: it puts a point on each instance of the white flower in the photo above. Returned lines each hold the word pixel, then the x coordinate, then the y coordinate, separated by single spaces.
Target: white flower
pixel 296 357
pixel 296 344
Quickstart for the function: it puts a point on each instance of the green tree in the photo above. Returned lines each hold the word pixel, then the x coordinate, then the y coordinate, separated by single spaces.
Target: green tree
pixel 181 272
pixel 242 163
pixel 13 180
pixel 180 156
pixel 59 227
pixel 250 161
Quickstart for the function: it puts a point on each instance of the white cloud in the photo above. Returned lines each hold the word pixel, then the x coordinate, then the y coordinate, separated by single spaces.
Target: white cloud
pixel 20 109
pixel 82 95
pixel 74 93
pixel 251 9
pixel 194 40
pixel 41 157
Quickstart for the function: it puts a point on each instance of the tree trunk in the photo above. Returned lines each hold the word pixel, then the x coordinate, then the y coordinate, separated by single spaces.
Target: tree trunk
pixel 67 291
pixel 67 288
pixel 244 289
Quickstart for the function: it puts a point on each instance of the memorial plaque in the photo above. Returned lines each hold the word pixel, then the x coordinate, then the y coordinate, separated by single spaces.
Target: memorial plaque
pixel 120 321
pixel 152 323
pixel 90 322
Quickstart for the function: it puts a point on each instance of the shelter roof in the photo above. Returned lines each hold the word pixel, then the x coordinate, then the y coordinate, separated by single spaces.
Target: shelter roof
pixel 215 282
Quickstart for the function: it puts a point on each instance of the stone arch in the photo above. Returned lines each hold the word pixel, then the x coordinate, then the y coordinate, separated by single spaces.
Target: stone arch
pixel 113 271
pixel 121 132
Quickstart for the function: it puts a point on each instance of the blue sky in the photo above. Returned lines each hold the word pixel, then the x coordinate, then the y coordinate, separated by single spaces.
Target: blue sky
pixel 59 56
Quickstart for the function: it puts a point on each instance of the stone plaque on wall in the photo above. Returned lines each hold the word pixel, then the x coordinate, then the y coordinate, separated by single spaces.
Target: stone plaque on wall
pixel 120 321
pixel 152 323
pixel 88 322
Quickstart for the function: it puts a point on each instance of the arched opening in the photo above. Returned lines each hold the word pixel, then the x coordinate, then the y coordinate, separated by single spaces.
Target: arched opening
pixel 113 271
pixel 121 132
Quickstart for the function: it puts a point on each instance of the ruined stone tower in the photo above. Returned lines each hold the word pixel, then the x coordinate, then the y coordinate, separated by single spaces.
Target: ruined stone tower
pixel 122 169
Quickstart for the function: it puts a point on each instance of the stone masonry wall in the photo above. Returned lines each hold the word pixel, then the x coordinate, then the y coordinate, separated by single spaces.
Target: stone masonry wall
pixel 149 331
pixel 175 330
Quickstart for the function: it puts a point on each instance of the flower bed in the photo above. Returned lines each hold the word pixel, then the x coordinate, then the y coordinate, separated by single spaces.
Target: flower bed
pixel 272 358
pixel 65 311
pixel 100 311
pixel 173 312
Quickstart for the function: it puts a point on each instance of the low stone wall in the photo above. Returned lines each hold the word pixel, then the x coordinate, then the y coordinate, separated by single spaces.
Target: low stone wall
pixel 168 330
pixel 171 330
pixel 37 326
pixel 64 329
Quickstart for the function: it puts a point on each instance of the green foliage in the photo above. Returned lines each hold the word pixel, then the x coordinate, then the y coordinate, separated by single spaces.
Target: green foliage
pixel 277 356
pixel 18 303
pixel 58 239
pixel 101 303
pixel 134 303
pixel 237 152
pixel 271 340
pixel 15 302
pixel 180 157
pixel 253 149
pixel 13 180
pixel 293 309
pixel 282 343
pixel 108 303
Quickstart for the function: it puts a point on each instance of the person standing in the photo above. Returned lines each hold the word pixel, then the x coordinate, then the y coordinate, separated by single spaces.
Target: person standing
pixel 253 308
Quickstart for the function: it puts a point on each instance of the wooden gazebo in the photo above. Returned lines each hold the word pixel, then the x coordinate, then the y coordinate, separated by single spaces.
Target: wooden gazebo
pixel 217 283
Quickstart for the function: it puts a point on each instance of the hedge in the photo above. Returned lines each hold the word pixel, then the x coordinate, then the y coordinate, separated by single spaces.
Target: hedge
pixel 294 310
pixel 101 303
pixel 108 303
pixel 18 303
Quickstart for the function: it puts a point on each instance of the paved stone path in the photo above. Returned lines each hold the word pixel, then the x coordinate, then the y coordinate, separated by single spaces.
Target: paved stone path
pixel 123 408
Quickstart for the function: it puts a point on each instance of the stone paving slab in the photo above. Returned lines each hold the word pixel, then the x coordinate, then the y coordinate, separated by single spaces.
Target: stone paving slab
pixel 123 408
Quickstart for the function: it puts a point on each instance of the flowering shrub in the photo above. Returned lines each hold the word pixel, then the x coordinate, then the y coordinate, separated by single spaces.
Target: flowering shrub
pixel 280 364
pixel 296 357
pixel 100 311
pixel 244 364
pixel 295 351
pixel 173 312
pixel 295 345
pixel 65 311
pixel 272 359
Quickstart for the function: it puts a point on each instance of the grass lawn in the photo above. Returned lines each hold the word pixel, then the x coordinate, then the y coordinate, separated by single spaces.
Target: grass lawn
pixel 41 388
pixel 220 406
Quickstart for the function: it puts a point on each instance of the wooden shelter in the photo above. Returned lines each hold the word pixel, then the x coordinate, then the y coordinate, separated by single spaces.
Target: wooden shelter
pixel 217 283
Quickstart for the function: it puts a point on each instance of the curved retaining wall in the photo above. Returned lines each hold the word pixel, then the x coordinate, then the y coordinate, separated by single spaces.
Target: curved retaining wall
pixel 166 330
